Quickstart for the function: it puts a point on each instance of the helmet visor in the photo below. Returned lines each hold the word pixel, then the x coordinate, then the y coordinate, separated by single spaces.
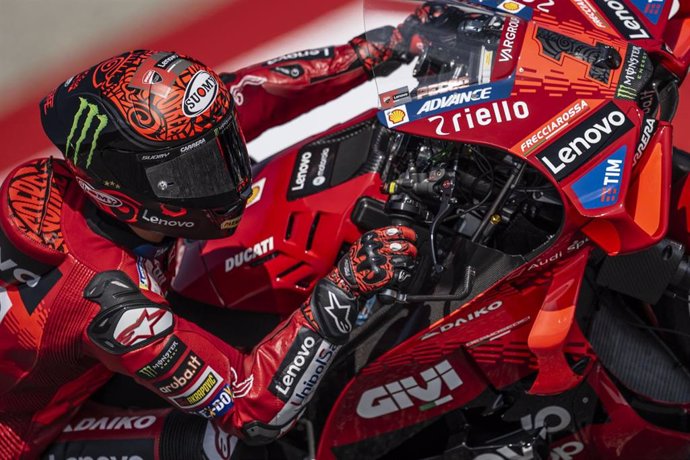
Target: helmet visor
pixel 204 172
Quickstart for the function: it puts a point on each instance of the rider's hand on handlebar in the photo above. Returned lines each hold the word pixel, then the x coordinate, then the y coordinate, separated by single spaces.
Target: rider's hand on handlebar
pixel 411 29
pixel 390 45
pixel 380 259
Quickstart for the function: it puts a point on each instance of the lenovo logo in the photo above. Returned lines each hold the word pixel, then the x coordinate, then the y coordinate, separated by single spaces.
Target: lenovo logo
pixel 585 140
pixel 625 21
pixel 296 367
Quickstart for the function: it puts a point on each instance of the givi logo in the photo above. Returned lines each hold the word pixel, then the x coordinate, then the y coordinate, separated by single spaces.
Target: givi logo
pixel 400 394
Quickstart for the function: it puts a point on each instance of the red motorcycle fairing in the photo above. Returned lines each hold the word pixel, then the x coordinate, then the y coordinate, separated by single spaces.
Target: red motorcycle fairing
pixel 619 188
pixel 295 224
pixel 494 332
pixel 616 197
pixel 602 153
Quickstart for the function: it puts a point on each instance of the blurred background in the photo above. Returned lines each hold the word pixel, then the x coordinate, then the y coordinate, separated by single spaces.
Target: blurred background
pixel 43 42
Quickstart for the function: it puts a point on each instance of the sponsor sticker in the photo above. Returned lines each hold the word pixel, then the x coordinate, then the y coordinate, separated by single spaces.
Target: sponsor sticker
pixel 395 97
pixel 591 13
pixel 151 275
pixel 651 9
pixel 429 106
pixel 318 53
pixel 552 128
pixel 257 192
pixel 293 71
pixel 219 405
pixel 426 390
pixel 135 422
pixel 299 375
pixel 230 223
pixel 600 187
pixel 313 169
pixel 151 218
pixel 138 325
pixel 647 132
pixel 396 116
pixel 295 364
pixel 624 20
pixel 98 195
pixel 183 376
pixel 111 449
pixel 464 319
pixel 141 274
pixel 200 93
pixel 87 116
pixel 154 77
pixel 582 142
pixel 166 359
pixel 260 249
pixel 511 6
pixel 509 47
pixel 205 385
pixel 637 71
pixel 471 117
pixel 165 61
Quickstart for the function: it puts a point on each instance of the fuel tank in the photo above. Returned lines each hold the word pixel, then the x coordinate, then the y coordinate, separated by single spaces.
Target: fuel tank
pixel 297 223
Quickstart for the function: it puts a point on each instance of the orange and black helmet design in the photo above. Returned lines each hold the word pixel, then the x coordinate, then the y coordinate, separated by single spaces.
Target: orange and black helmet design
pixel 153 140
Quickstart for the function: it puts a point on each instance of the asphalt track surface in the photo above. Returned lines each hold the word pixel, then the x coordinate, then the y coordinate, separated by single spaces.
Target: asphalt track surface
pixel 225 35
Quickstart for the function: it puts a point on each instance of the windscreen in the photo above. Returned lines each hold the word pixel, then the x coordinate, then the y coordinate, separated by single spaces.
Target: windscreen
pixel 464 51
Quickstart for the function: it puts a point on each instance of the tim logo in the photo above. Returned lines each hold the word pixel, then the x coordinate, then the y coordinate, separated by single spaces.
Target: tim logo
pixel 87 116
pixel 427 389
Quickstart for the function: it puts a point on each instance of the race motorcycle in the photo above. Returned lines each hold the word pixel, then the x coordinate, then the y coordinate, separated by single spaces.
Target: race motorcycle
pixel 530 146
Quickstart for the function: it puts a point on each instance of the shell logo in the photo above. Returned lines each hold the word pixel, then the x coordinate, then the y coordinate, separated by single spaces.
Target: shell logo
pixel 257 191
pixel 396 116
pixel 511 6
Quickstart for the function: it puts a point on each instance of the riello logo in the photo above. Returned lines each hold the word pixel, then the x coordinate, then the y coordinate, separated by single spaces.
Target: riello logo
pixel 426 391
pixel 87 116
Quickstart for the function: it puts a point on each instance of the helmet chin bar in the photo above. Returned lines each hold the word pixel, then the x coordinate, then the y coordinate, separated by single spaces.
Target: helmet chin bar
pixel 148 235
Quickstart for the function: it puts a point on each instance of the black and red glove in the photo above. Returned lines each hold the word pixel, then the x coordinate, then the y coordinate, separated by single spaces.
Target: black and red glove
pixel 382 50
pixel 380 259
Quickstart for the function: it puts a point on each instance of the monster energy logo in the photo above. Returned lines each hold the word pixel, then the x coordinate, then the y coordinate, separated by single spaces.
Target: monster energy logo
pixel 91 111
pixel 625 92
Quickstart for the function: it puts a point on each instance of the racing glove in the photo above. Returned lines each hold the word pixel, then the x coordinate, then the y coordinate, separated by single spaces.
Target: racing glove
pixel 382 50
pixel 380 259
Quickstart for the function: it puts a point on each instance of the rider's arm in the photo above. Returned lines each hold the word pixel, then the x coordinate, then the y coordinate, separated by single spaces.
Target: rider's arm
pixel 135 333
pixel 273 92
pixel 257 396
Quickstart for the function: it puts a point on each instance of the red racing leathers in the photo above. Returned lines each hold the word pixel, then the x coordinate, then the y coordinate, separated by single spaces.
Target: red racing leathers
pixel 77 303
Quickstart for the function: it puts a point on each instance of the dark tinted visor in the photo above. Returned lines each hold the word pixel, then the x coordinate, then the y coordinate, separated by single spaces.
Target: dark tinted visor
pixel 208 172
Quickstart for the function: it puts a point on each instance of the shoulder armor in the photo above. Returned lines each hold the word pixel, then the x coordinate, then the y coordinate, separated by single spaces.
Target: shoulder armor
pixel 30 214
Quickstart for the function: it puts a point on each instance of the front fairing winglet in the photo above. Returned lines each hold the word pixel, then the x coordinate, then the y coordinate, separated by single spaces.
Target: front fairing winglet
pixel 552 327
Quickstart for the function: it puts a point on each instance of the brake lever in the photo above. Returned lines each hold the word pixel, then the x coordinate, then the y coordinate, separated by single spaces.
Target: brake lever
pixel 389 296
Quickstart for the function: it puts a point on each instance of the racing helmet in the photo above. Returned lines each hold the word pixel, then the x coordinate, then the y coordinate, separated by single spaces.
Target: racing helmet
pixel 152 139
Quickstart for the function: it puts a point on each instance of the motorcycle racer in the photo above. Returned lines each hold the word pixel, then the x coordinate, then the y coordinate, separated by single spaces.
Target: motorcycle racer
pixel 154 150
